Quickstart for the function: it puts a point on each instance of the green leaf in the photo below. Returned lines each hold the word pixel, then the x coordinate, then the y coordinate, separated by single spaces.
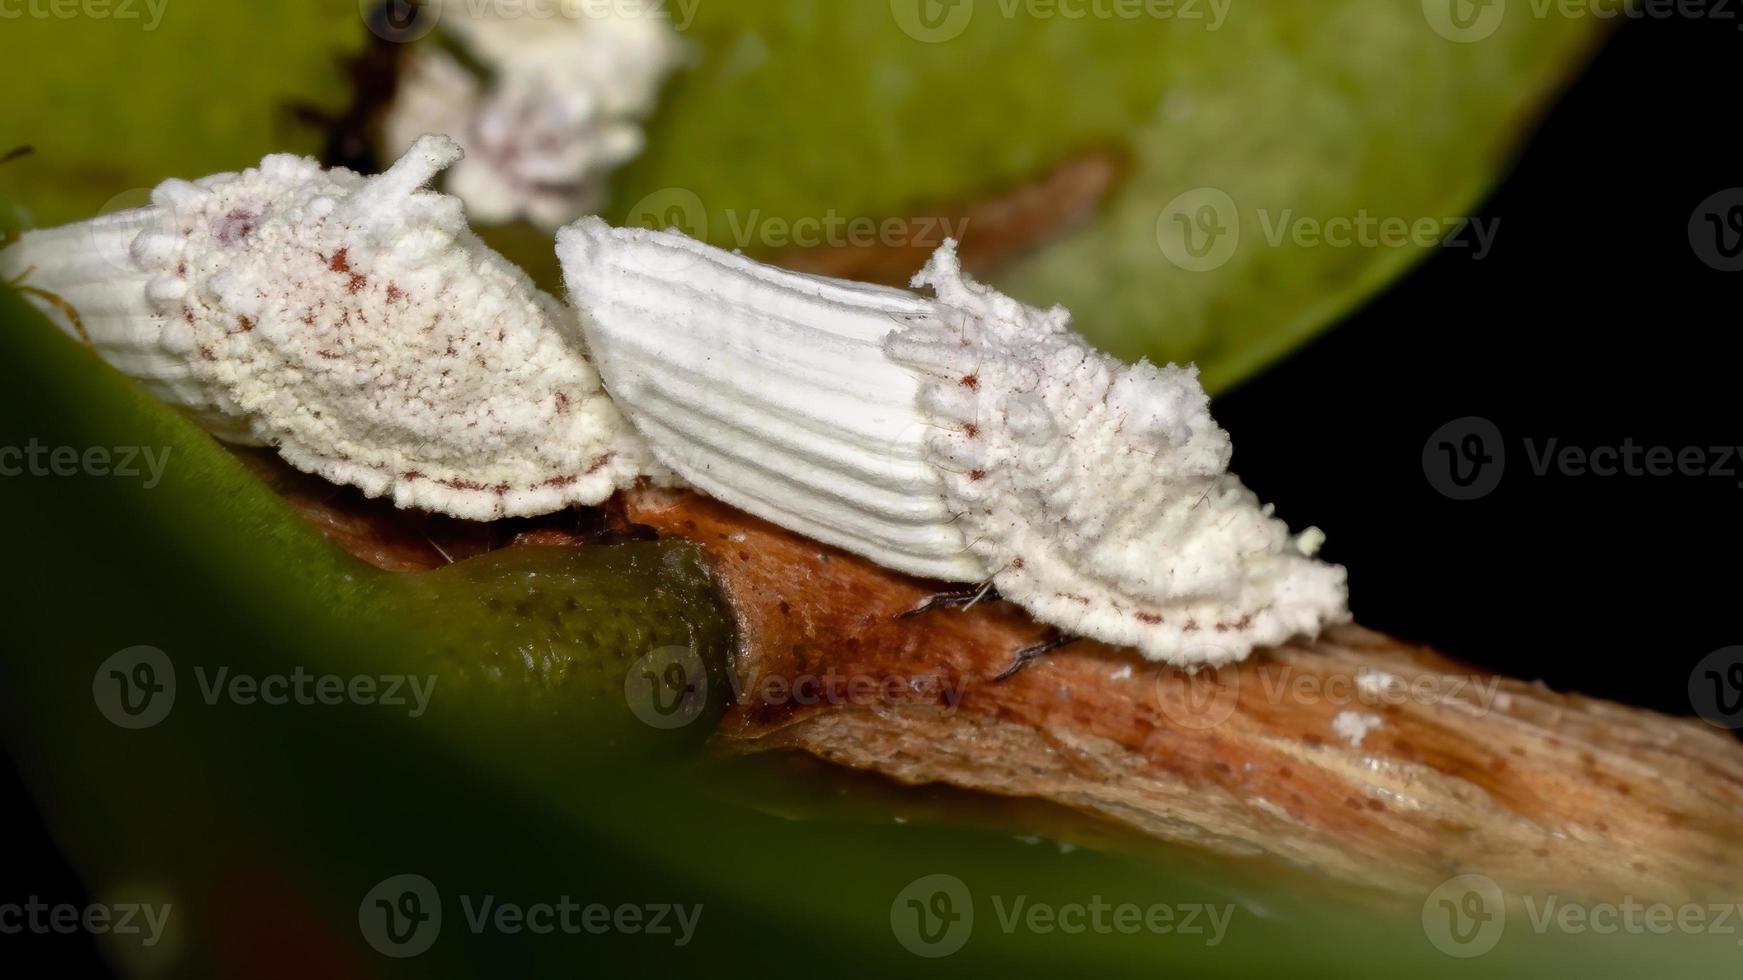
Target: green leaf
pixel 798 110
pixel 117 95
pixel 1327 109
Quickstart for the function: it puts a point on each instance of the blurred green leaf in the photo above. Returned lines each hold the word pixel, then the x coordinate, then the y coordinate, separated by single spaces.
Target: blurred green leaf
pixel 801 110
pixel 116 96
pixel 1324 110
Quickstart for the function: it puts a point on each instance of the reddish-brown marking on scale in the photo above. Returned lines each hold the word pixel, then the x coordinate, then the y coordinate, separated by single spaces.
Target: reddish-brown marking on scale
pixel 236 226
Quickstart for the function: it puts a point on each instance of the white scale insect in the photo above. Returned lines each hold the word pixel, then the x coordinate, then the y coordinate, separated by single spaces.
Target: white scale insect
pixel 961 436
pixel 354 323
pixel 358 325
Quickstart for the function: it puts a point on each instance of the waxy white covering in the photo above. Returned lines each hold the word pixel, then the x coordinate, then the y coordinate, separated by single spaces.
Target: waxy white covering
pixel 961 436
pixel 354 323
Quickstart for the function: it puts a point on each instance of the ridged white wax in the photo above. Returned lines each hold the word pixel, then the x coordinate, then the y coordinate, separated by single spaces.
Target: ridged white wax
pixel 767 389
pixel 962 436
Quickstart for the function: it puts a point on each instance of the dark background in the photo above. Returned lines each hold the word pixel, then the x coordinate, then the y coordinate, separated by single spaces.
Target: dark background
pixel 1592 320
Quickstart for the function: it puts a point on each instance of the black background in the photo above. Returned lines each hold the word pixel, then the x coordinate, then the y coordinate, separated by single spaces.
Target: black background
pixel 1593 320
